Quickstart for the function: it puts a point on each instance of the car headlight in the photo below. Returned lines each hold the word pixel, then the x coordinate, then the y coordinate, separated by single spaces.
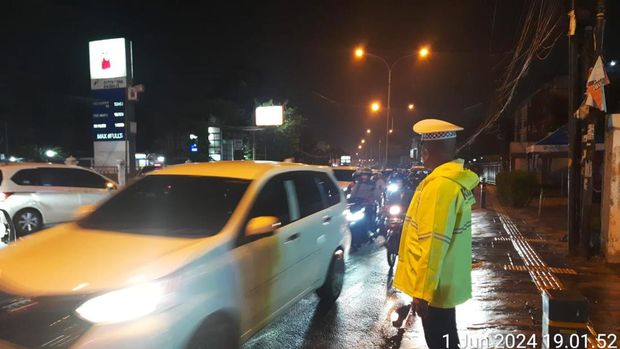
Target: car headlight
pixel 355 216
pixel 395 210
pixel 393 187
pixel 125 304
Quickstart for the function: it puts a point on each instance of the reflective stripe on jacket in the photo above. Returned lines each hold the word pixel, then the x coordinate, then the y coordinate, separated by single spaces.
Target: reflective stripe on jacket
pixel 435 248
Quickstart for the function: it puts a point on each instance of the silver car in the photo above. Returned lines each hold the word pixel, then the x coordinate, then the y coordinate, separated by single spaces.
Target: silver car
pixel 38 194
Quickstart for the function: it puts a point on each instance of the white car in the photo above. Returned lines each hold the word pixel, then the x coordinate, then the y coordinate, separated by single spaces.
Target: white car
pixel 190 256
pixel 38 194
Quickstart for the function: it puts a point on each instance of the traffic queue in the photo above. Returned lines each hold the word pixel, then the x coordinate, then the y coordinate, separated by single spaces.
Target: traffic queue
pixel 194 255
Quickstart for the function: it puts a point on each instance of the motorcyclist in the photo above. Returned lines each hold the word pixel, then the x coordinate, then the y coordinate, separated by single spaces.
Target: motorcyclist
pixel 364 189
pixel 380 186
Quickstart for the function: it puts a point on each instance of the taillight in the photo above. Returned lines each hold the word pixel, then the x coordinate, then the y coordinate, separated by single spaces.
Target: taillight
pixel 4 196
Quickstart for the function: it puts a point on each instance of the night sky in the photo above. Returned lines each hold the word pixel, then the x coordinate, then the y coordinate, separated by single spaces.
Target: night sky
pixel 300 52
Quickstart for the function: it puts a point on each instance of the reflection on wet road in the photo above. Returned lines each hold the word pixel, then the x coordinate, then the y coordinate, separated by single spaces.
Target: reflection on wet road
pixel 504 303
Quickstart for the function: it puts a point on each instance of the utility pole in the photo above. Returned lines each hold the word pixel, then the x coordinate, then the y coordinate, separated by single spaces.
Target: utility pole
pixel 6 138
pixel 574 132
pixel 387 126
pixel 593 47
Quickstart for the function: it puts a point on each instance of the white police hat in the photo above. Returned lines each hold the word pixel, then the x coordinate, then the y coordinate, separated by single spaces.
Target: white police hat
pixel 435 129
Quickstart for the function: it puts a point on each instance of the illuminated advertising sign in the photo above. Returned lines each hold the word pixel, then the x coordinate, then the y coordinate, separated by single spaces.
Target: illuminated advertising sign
pixel 269 116
pixel 108 63
pixel 108 111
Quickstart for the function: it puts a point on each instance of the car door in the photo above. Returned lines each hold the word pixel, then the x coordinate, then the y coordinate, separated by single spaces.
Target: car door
pixel 268 262
pixel 92 187
pixel 311 225
pixel 334 222
pixel 56 194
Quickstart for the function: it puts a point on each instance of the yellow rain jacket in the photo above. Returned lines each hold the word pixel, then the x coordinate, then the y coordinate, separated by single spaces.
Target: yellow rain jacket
pixel 434 257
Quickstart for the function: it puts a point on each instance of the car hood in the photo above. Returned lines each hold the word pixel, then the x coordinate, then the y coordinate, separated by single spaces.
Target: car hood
pixel 68 259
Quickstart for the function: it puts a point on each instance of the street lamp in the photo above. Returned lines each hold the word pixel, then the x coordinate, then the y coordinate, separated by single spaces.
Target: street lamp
pixel 363 141
pixel 375 107
pixel 359 53
pixel 411 107
pixel 368 131
pixel 359 146
pixel 50 153
pixel 424 52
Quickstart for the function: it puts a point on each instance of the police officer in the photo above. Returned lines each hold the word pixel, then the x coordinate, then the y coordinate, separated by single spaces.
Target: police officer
pixel 435 250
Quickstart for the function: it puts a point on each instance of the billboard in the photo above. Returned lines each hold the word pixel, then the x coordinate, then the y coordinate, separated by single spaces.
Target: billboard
pixel 108 63
pixel 269 116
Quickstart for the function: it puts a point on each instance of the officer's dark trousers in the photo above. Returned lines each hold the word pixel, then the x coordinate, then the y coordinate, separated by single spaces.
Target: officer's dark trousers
pixel 440 328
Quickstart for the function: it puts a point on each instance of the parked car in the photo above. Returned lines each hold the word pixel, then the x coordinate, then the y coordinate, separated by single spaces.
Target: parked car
pixel 38 194
pixel 190 256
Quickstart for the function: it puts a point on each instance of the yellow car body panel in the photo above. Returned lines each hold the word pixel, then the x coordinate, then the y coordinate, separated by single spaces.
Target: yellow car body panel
pixel 62 260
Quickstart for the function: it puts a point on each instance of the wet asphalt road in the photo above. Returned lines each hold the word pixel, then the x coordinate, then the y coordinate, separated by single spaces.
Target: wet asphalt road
pixel 359 319
pixel 504 303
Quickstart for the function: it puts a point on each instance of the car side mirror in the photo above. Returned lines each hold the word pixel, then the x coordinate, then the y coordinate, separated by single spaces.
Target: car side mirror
pixel 83 211
pixel 262 225
pixel 8 234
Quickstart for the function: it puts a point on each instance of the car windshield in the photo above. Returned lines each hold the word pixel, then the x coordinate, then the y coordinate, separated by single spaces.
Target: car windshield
pixel 344 175
pixel 185 206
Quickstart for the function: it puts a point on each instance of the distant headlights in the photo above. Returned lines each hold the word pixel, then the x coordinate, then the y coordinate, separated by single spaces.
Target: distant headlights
pixel 395 210
pixel 355 216
pixel 125 304
pixel 393 187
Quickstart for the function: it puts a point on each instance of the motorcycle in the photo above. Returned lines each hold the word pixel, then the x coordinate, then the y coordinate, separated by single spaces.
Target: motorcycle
pixel 397 198
pixel 394 225
pixel 361 218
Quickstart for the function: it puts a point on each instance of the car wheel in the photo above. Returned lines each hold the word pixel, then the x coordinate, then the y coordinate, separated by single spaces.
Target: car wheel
pixel 331 288
pixel 27 221
pixel 218 331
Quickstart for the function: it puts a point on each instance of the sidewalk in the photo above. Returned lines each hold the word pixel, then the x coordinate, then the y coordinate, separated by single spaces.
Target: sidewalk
pixel 519 254
pixel 597 281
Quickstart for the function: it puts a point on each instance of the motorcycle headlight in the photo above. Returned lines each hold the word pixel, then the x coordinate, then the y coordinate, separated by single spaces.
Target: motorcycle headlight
pixel 355 216
pixel 393 187
pixel 125 304
pixel 395 210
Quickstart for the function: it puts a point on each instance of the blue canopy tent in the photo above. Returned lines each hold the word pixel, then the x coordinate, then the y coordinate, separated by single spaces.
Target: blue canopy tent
pixel 557 142
pixel 549 156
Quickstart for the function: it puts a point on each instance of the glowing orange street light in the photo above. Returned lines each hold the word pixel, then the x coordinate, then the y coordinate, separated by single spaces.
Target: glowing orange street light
pixel 424 52
pixel 411 107
pixel 391 130
pixel 359 52
pixel 375 106
pixel 363 141
pixel 368 131
pixel 359 146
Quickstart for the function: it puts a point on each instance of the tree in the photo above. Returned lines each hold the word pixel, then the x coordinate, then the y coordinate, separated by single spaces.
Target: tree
pixel 283 141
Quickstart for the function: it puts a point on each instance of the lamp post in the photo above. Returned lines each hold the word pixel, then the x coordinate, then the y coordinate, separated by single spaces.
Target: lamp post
pixel 361 53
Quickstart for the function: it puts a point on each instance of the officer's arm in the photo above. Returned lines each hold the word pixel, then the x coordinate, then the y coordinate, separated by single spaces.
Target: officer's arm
pixel 436 220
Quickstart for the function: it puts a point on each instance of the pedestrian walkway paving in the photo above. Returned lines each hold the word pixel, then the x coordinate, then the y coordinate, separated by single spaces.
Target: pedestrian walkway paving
pixel 516 258
pixel 593 278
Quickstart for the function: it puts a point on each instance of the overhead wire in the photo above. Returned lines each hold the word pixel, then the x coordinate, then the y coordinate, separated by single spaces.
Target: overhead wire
pixel 539 24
